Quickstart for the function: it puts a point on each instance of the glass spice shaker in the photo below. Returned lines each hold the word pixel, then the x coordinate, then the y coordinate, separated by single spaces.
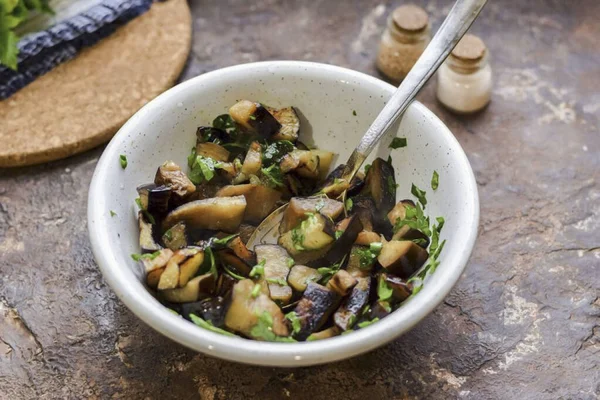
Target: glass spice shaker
pixel 464 80
pixel 407 34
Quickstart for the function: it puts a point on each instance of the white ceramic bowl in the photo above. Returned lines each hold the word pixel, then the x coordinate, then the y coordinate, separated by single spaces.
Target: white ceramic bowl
pixel 328 97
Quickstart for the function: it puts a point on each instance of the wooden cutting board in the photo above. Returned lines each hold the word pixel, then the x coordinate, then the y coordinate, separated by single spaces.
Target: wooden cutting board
pixel 82 103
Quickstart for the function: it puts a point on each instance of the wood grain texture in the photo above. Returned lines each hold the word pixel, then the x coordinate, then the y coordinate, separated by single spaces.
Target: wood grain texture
pixel 83 102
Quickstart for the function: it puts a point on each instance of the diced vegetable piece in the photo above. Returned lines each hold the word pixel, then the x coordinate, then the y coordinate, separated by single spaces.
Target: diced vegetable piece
pixel 330 187
pixel 314 233
pixel 209 134
pixel 380 309
pixel 324 334
pixel 314 308
pixel 325 160
pixel 171 175
pixel 254 117
pixel 260 200
pixel 300 276
pixel 299 206
pixel 290 123
pixel 246 231
pixel 359 266
pixel 218 213
pixel 175 238
pixel 212 309
pixel 349 312
pixel 365 238
pixel 153 277
pixel 212 150
pixel 155 199
pixel 276 270
pixel 170 278
pixel 364 208
pixel 200 286
pixel 240 250
pixel 160 261
pixel 402 258
pixel 225 285
pixel 147 242
pixel 341 245
pixel 380 184
pixel 227 257
pixel 406 232
pixel 253 161
pixel 245 309
pixel 304 162
pixel 189 268
pixel 401 290
pixel 341 283
pixel 399 210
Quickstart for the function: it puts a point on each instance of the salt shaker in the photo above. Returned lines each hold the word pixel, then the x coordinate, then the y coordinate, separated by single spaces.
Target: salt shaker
pixel 464 80
pixel 407 34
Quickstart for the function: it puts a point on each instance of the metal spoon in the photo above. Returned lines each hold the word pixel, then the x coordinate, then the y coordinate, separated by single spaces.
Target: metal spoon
pixel 455 25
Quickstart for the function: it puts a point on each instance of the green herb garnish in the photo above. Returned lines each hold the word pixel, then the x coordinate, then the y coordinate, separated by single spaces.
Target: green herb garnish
pixel 123 161
pixel 273 177
pixel 233 274
pixel 435 180
pixel 274 152
pixel 290 262
pixel 277 281
pixel 147 256
pixel 367 256
pixel 255 291
pixel 191 159
pixel 419 194
pixel 112 213
pixel 203 169
pixel 384 292
pixel 398 142
pixel 264 330
pixel 367 167
pixel 354 112
pixel 364 324
pixel 225 123
pixel 320 204
pixel 224 241
pixel 258 269
pixel 414 219
pixel 349 204
pixel 293 318
pixel 392 186
pixel 211 262
pixel 298 238
pixel 208 325
pixel 338 234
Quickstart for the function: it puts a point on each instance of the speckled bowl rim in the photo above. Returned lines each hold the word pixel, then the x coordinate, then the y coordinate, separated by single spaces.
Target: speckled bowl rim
pixel 142 304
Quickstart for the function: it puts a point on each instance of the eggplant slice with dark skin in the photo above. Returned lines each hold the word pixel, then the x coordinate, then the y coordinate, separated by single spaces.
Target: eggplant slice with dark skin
pixel 340 262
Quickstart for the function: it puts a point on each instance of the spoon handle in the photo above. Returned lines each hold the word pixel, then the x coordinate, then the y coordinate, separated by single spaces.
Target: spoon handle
pixel 455 25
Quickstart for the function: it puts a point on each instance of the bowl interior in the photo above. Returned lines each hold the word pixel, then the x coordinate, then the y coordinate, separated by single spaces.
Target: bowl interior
pixel 336 106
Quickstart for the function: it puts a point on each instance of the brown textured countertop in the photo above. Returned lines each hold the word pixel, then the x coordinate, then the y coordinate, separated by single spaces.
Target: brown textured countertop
pixel 523 322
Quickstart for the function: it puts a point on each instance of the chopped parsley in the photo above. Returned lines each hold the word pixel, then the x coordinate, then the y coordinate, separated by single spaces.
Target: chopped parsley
pixel 392 185
pixel 264 330
pixel 384 292
pixel 298 238
pixel 112 213
pixel 123 161
pixel 398 142
pixel 277 281
pixel 233 274
pixel 169 234
pixel 225 123
pixel 419 194
pixel 367 167
pixel 293 318
pixel 338 234
pixel 320 204
pixel 414 219
pixel 274 152
pixel 211 262
pixel 223 241
pixel 354 112
pixel 138 201
pixel 435 180
pixel 290 262
pixel 255 291
pixel 258 269
pixel 208 325
pixel 328 272
pixel 147 256
pixel 349 204
pixel 203 169
pixel 367 256
pixel 364 324
pixel 273 177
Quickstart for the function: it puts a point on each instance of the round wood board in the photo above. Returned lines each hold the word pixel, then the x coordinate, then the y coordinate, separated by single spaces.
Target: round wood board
pixel 83 102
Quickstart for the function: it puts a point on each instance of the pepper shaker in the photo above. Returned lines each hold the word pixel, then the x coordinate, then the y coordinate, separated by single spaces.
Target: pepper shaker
pixel 464 80
pixel 407 34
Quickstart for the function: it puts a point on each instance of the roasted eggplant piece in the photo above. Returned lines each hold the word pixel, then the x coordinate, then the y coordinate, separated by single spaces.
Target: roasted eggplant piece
pixel 314 233
pixel 401 290
pixel 402 258
pixel 208 134
pixel 240 250
pixel 160 261
pixel 380 309
pixel 364 208
pixel 260 200
pixel 225 285
pixel 212 309
pixel 352 307
pixel 147 242
pixel 171 175
pixel 341 283
pixel 298 207
pixel 155 199
pixel 276 270
pixel 218 213
pixel 253 161
pixel 365 238
pixel 324 334
pixel 175 237
pixel 199 287
pixel 302 162
pixel 380 184
pixel 340 247
pixel 359 266
pixel 170 277
pixel 330 188
pixel 212 150
pixel 255 118
pixel 229 258
pixel 246 231
pixel 153 277
pixel 314 308
pixel 290 123
pixel 300 276
pixel 245 309
pixel 325 160
pixel 190 267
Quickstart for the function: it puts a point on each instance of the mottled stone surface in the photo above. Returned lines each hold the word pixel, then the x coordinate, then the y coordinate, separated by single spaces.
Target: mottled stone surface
pixel 524 321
